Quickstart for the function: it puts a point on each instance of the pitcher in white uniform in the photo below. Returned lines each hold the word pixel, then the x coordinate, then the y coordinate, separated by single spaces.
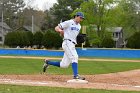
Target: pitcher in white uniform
pixel 69 30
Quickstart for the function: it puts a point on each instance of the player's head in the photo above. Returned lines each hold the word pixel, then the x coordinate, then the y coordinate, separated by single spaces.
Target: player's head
pixel 79 16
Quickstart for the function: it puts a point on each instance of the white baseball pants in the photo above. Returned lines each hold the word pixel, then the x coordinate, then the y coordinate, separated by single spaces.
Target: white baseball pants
pixel 70 54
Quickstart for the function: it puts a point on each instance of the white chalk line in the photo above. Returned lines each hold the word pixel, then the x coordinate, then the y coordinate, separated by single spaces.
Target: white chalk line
pixel 22 82
pixel 126 85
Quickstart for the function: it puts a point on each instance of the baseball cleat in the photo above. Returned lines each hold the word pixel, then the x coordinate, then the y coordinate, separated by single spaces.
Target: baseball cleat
pixel 78 77
pixel 45 66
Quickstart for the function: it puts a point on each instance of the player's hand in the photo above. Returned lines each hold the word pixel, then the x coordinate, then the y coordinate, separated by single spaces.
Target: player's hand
pixel 61 33
pixel 59 30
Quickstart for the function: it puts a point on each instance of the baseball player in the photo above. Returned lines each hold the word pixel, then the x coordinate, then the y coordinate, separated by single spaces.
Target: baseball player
pixel 69 30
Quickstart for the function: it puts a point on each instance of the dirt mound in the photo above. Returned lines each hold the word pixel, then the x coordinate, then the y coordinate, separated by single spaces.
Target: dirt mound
pixel 129 80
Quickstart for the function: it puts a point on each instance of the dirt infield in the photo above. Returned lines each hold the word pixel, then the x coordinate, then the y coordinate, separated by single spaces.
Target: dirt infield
pixel 129 80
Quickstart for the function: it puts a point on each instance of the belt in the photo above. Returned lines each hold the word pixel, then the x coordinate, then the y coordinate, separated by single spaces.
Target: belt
pixel 70 41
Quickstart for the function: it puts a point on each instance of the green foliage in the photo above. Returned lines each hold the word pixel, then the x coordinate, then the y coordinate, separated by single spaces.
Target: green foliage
pixel 87 9
pixel 126 15
pixel 97 13
pixel 24 41
pixel 103 14
pixel 37 39
pixel 30 37
pixel 63 9
pixel 108 42
pixel 134 41
pixel 16 38
pixel 92 36
pixel 52 39
pixel 96 41
pixel 10 39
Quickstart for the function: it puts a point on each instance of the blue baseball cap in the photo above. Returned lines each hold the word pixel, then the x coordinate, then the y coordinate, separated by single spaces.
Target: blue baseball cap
pixel 80 14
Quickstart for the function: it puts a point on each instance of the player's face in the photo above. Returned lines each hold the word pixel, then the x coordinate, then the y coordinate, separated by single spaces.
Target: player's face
pixel 79 19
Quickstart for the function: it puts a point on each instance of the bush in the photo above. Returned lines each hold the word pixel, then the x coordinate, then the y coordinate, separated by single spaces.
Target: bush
pixel 108 42
pixel 134 41
pixel 52 39
pixel 16 38
pixel 37 39
pixel 30 37
pixel 10 39
pixel 23 38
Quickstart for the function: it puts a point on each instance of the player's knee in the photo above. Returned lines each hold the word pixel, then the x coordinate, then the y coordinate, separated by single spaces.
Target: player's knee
pixel 75 59
pixel 64 65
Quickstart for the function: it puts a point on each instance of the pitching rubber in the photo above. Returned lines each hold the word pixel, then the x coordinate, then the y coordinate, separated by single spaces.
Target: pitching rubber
pixel 78 81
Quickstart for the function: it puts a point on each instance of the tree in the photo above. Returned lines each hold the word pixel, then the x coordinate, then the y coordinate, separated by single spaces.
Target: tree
pixel 29 13
pixel 48 22
pixel 87 9
pixel 92 35
pixel 127 15
pixel 10 10
pixel 97 14
pixel 63 9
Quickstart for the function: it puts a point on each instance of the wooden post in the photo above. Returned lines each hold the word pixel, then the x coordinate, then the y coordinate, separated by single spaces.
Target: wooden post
pixel 83 32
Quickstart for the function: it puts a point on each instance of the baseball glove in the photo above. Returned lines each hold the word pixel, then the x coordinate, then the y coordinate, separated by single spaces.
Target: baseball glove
pixel 81 38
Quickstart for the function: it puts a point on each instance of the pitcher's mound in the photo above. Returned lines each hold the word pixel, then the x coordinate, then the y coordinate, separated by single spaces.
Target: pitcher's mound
pixel 77 81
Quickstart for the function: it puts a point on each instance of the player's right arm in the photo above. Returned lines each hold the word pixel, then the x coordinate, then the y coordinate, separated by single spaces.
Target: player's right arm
pixel 60 30
pixel 62 26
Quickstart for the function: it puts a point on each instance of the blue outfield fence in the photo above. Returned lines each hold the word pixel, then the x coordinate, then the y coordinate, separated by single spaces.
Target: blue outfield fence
pixel 109 53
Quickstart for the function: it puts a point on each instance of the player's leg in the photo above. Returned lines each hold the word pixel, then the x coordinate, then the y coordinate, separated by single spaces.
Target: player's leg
pixel 54 63
pixel 72 55
pixel 75 66
pixel 74 61
pixel 64 63
pixel 48 62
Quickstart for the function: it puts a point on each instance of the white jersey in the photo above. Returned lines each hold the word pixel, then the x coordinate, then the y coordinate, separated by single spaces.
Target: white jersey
pixel 71 29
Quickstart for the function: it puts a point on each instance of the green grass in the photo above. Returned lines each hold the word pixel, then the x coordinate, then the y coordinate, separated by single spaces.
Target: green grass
pixel 19 66
pixel 35 89
pixel 34 66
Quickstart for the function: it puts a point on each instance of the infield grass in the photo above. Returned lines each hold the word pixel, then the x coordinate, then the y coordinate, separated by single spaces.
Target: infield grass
pixel 34 66
pixel 38 89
